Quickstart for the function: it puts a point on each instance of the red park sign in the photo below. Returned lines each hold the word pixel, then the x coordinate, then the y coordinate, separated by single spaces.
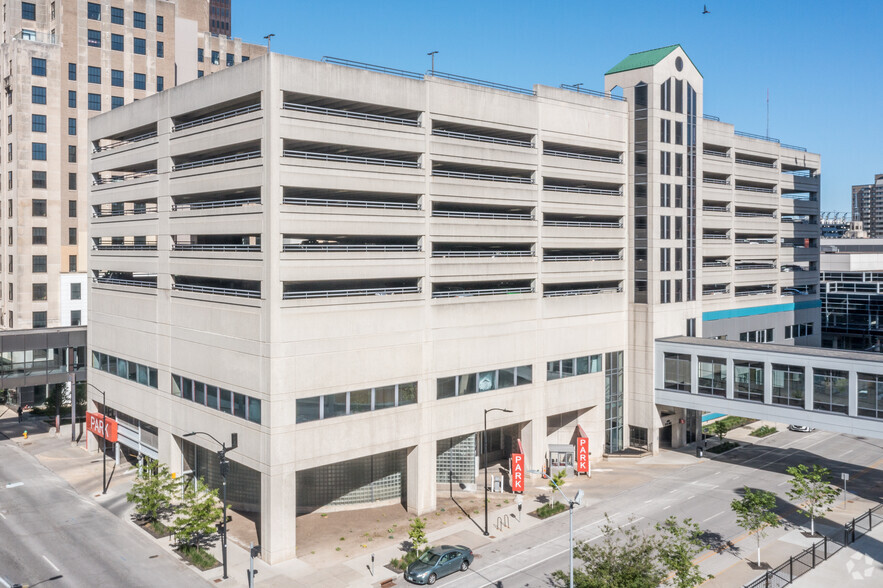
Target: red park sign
pixel 95 423
pixel 517 472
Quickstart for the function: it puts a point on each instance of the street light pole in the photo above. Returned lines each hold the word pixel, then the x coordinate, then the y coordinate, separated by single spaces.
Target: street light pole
pixel 225 467
pixel 576 500
pixel 484 451
pixel 269 39
pixel 432 55
pixel 103 438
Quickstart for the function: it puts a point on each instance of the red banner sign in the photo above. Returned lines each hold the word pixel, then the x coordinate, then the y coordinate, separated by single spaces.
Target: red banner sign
pixel 582 454
pixel 95 424
pixel 517 472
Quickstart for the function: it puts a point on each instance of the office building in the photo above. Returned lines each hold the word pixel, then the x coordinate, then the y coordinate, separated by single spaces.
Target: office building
pixel 852 294
pixel 64 61
pixel 351 269
pixel 867 206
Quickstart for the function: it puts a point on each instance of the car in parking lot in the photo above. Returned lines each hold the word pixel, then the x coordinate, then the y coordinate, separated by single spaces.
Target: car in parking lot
pixel 800 428
pixel 438 562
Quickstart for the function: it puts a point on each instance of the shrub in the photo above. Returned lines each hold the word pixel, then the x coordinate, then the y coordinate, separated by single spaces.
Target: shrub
pixel 400 564
pixel 763 431
pixel 725 446
pixel 198 557
pixel 549 509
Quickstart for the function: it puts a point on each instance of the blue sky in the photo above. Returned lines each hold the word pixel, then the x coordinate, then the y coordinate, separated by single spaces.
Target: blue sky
pixel 820 60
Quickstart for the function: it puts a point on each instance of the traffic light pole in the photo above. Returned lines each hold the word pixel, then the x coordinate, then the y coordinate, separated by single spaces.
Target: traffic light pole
pixel 225 468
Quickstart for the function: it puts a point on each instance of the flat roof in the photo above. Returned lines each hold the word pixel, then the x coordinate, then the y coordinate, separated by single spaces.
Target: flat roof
pixel 777 348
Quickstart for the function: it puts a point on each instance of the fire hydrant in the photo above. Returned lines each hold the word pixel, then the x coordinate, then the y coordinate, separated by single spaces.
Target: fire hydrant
pixel 26 434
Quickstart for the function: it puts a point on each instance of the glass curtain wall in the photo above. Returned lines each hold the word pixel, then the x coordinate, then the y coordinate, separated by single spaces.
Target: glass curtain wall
pixel 613 400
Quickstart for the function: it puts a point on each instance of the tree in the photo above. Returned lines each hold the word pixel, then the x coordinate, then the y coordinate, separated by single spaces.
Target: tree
pixel 153 492
pixel 417 534
pixel 624 557
pixel 198 515
pixel 812 490
pixel 754 513
pixel 559 480
pixel 677 547
pixel 720 429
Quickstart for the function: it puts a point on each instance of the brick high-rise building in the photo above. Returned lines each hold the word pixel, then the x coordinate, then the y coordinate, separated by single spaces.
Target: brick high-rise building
pixel 62 62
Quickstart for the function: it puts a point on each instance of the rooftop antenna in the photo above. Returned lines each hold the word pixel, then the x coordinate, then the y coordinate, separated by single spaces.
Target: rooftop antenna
pixel 432 55
pixel 767 113
pixel 269 38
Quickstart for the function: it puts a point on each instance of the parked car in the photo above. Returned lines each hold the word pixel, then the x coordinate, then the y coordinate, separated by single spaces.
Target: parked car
pixel 438 562
pixel 800 428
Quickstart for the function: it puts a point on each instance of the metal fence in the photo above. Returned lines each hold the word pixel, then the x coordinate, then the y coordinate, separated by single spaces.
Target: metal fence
pixel 809 558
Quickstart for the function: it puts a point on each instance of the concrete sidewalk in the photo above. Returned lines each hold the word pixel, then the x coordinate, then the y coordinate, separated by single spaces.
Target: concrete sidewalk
pixel 860 564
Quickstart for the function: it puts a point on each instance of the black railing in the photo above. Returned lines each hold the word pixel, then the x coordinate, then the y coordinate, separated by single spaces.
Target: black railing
pixel 484 83
pixel 580 90
pixel 711 117
pixel 370 67
pixel 753 136
pixel 809 558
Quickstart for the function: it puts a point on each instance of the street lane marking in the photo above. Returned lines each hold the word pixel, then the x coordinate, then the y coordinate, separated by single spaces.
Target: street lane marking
pixel 499 581
pixel 54 567
pixel 3 516
pixel 667 507
pixel 850 451
pixel 4 582
pixel 648 501
pixel 783 483
pixel 713 516
pixel 691 497
pixel 15 484
pixel 673 491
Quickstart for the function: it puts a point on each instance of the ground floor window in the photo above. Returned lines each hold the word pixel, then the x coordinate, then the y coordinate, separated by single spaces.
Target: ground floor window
pixel 375 478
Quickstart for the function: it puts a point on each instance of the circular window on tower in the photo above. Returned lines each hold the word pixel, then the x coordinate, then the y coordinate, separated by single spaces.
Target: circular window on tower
pixel 679 63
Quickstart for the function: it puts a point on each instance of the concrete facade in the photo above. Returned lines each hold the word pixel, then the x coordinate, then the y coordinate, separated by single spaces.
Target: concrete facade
pixel 403 253
pixel 64 61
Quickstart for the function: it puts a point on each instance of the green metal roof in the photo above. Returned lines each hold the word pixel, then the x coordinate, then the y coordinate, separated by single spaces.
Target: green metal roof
pixel 642 59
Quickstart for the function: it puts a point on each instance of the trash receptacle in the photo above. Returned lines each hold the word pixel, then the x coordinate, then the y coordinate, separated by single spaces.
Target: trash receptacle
pixel 699 452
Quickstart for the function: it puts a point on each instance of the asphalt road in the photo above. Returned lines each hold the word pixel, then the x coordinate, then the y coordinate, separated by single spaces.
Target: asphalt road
pixel 53 537
pixel 702 492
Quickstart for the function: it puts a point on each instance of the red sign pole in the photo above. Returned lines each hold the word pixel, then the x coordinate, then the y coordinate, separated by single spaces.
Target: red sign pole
pixel 517 472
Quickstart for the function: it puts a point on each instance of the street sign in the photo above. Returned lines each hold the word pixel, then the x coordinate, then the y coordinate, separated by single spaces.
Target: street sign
pixel 95 424
pixel 844 476
pixel 517 472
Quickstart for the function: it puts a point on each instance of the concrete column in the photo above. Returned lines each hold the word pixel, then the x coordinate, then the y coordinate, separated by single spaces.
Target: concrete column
pixel 807 388
pixel 422 486
pixel 533 438
pixel 694 374
pixel 731 378
pixel 170 452
pixel 278 516
pixel 853 393
pixel 767 383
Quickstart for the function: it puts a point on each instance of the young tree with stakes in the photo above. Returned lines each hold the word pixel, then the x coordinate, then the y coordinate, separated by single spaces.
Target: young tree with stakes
pixel 813 492
pixel 198 515
pixel 153 492
pixel 754 513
